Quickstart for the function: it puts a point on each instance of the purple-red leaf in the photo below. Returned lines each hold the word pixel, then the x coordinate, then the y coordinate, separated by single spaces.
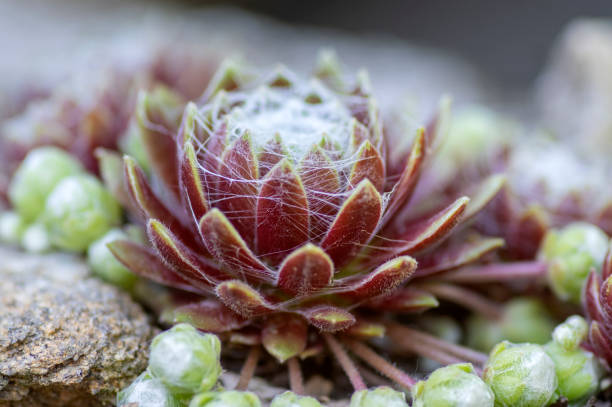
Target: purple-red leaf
pixel 322 183
pixel 111 172
pixel 592 304
pixel 328 318
pixel 354 225
pixel 243 299
pixel 403 189
pixel 369 165
pixel 305 271
pixel 600 342
pixel 180 256
pixel 406 300
pixel 148 203
pixel 272 153
pixel 487 190
pixel 144 262
pixel 237 184
pixel 284 336
pixel 386 278
pixel 192 183
pixel 454 257
pixel 210 316
pixel 227 246
pixel 425 233
pixel 606 269
pixel 158 115
pixel 282 213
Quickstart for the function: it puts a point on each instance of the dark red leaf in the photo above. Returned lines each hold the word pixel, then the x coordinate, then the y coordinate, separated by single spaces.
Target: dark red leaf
pixel 354 225
pixel 328 318
pixel 237 184
pixel 282 213
pixel 386 278
pixel 305 271
pixel 243 299
pixel 229 249
pixel 369 165
pixel 210 316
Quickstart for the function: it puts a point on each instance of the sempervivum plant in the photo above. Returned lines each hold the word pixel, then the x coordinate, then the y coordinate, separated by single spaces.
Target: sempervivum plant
pixel 598 305
pixel 274 201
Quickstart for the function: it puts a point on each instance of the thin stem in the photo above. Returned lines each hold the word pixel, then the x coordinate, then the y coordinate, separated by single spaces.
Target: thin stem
pixel 296 380
pixel 345 361
pixel 496 273
pixel 379 363
pixel 373 378
pixel 248 369
pixel 406 336
pixel 422 349
pixel 467 298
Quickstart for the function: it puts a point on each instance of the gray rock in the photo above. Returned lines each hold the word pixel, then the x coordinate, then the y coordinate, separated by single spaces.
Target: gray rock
pixel 66 339
pixel 574 93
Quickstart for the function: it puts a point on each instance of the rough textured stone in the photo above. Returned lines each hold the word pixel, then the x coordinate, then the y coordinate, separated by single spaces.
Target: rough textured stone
pixel 66 339
pixel 574 92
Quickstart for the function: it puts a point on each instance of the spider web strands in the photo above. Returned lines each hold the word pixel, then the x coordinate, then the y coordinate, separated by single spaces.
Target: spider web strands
pixel 466 298
pixel 248 368
pixel 379 363
pixel 406 337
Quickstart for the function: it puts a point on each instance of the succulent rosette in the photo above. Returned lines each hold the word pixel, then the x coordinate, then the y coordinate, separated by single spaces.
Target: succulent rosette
pixel 597 303
pixel 274 200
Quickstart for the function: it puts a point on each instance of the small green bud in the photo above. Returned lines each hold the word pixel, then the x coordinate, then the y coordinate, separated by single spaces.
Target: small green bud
pixel 380 396
pixel 35 239
pixel 523 320
pixel 104 264
pixel 79 211
pixel 526 320
pixel 146 391
pixel 453 386
pixel 571 253
pixel 39 173
pixel 520 375
pixel 482 333
pixel 186 360
pixel 11 227
pixel 290 399
pixel 571 333
pixel 577 371
pixel 474 134
pixel 230 398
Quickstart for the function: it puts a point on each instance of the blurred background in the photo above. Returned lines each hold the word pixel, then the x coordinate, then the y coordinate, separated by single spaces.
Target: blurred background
pixel 537 60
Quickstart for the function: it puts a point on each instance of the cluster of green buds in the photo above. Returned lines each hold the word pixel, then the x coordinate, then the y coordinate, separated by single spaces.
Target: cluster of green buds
pixel 182 363
pixel 521 375
pixel 453 386
pixel 184 369
pixel 57 204
pixel 571 253
pixel 523 319
pixel 578 371
pixel 530 375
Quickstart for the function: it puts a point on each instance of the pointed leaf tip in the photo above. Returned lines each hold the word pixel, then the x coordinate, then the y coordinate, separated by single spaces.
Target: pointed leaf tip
pixel 305 271
pixel 328 318
pixel 243 299
pixel 284 336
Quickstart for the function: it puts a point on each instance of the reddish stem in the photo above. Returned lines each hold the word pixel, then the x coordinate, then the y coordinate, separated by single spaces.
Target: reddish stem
pixel 405 336
pixel 345 361
pixel 248 369
pixel 466 298
pixel 296 380
pixel 496 273
pixel 377 362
